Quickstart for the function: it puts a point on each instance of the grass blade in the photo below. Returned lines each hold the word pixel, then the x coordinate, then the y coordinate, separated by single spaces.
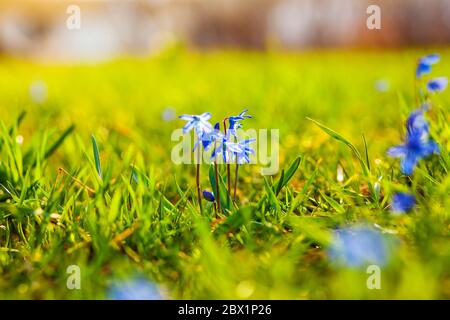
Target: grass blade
pixel 98 165
pixel 59 142
pixel 340 138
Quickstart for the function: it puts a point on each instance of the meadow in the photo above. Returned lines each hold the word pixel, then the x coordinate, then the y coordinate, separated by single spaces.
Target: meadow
pixel 139 218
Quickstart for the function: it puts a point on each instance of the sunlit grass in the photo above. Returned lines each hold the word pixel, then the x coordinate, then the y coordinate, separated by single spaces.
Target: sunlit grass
pixel 139 215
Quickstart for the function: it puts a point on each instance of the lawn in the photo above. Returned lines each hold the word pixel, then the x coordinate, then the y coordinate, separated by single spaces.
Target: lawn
pixel 121 209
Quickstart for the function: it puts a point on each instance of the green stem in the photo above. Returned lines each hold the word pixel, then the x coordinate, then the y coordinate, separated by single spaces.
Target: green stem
pixel 197 180
pixel 228 162
pixel 216 169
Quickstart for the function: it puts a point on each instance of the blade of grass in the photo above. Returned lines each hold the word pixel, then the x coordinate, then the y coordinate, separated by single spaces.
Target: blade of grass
pixel 98 165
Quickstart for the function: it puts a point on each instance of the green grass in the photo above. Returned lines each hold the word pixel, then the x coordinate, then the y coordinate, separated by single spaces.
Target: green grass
pixel 124 208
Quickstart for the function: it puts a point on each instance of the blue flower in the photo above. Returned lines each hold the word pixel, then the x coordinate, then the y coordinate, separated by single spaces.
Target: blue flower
pixel 244 155
pixel 382 85
pixel 134 289
pixel 208 138
pixel 227 149
pixel 235 122
pixel 417 144
pixel 197 122
pixel 416 122
pixel 424 65
pixel 402 202
pixel 358 246
pixel 209 196
pixel 437 84
pixel 168 114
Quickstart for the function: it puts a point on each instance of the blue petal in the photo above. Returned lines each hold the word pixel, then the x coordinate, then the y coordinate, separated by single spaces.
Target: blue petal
pixel 402 202
pixel 186 117
pixel 242 114
pixel 430 59
pixel 437 84
pixel 422 69
pixel 430 148
pixel 188 127
pixel 397 151
pixel 205 116
pixel 408 163
pixel 214 153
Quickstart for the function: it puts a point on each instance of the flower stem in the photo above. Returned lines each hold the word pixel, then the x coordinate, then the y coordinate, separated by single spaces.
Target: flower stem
pixel 228 162
pixel 216 169
pixel 197 180
pixel 236 181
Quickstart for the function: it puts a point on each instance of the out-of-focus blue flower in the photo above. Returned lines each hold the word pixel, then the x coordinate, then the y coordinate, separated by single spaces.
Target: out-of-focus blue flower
pixel 358 247
pixel 425 63
pixel 168 114
pixel 209 196
pixel 209 138
pixel 402 202
pixel 134 289
pixel 418 144
pixel 416 122
pixel 197 122
pixel 227 149
pixel 382 85
pixel 38 91
pixel 244 155
pixel 437 84
pixel 235 122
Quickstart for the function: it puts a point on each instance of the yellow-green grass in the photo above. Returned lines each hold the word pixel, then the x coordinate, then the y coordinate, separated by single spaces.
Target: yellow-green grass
pixel 118 227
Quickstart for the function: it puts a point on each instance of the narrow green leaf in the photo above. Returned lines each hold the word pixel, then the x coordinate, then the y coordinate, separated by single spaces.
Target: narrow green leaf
pixel 333 203
pixel 58 142
pixel 98 165
pixel 19 120
pixel 340 138
pixel 287 175
pixel 366 149
pixel 280 184
pixel 291 171
pixel 225 199
pixel 273 201
pixel 302 193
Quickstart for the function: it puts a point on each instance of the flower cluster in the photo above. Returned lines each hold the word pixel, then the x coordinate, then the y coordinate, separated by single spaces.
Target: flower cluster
pixel 424 68
pixel 417 143
pixel 225 147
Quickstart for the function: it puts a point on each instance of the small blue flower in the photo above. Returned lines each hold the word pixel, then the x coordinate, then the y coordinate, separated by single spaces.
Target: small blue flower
pixel 417 144
pixel 416 122
pixel 235 122
pixel 424 65
pixel 209 196
pixel 227 149
pixel 358 246
pixel 168 114
pixel 209 138
pixel 382 85
pixel 402 202
pixel 197 122
pixel 437 84
pixel 134 289
pixel 244 156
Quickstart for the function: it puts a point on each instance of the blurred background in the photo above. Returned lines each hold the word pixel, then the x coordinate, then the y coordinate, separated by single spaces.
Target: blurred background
pixel 37 28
